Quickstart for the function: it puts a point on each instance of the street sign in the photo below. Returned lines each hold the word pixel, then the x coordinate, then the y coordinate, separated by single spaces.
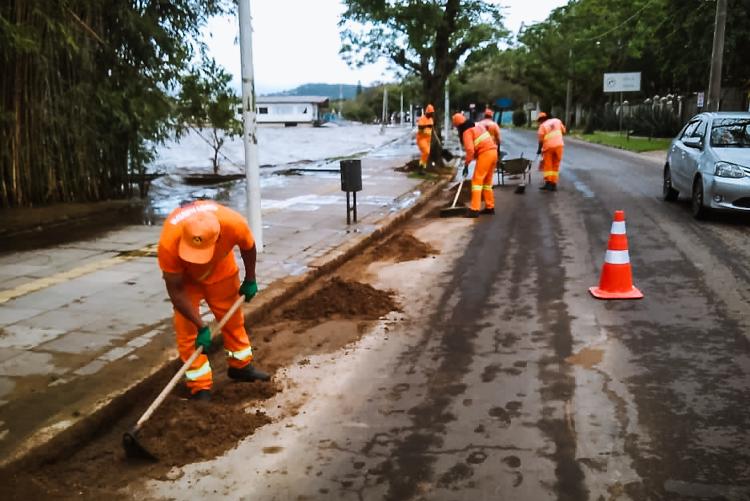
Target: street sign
pixel 504 102
pixel 701 99
pixel 472 106
pixel 622 82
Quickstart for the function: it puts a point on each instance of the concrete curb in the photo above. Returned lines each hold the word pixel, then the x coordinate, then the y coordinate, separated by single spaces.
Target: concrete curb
pixel 59 441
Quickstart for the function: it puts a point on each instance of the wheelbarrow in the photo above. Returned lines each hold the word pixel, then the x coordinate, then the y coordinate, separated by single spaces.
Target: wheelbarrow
pixel 514 167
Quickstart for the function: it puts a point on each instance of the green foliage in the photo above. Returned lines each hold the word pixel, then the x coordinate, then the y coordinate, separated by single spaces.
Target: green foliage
pixel 519 118
pixel 207 100
pixel 632 143
pixel 423 38
pixel 86 86
pixel 654 122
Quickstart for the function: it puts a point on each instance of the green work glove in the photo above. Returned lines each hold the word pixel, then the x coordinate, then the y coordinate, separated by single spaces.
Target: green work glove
pixel 249 289
pixel 203 338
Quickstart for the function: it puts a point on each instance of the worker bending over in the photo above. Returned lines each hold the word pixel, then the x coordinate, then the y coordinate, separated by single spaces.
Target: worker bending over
pixel 197 260
pixel 424 135
pixel 550 135
pixel 478 144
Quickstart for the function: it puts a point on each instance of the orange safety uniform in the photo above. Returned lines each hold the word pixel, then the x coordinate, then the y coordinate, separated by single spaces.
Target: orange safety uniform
pixel 216 281
pixel 492 128
pixel 550 134
pixel 479 144
pixel 424 138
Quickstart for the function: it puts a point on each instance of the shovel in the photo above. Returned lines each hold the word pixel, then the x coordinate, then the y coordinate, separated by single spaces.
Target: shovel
pixel 133 449
pixel 454 211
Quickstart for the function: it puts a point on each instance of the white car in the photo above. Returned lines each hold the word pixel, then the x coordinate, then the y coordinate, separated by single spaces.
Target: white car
pixel 710 160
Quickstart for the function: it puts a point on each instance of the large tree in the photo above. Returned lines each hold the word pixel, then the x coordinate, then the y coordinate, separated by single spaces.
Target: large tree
pixel 425 38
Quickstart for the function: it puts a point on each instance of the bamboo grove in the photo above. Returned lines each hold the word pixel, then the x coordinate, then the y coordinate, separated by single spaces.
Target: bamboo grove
pixel 85 88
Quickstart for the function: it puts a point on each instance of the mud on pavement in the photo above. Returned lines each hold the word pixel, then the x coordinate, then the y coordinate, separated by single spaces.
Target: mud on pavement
pixel 335 311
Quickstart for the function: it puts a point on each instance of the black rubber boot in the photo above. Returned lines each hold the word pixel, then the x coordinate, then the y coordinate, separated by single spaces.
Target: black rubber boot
pixel 201 396
pixel 552 187
pixel 488 211
pixel 471 213
pixel 545 186
pixel 247 373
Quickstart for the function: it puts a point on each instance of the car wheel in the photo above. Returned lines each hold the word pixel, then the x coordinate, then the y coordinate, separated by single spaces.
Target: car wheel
pixel 699 209
pixel 668 192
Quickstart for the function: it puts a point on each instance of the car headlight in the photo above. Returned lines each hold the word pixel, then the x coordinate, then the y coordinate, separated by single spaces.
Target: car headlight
pixel 725 169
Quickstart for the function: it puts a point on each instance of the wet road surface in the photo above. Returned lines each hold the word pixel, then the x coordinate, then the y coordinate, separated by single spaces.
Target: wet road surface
pixel 505 379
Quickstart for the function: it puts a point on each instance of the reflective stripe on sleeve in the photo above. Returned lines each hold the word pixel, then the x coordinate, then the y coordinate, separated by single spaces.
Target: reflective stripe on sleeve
pixel 242 354
pixel 618 228
pixel 483 136
pixel 194 374
pixel 617 257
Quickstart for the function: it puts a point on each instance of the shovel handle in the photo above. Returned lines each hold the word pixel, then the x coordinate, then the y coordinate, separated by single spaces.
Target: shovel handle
pixel 172 382
pixel 458 192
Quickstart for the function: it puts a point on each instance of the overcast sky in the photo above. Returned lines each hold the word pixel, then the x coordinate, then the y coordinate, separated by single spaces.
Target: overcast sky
pixel 297 41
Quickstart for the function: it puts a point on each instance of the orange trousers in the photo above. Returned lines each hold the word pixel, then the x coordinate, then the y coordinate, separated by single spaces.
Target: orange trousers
pixel 481 183
pixel 220 296
pixel 424 148
pixel 550 165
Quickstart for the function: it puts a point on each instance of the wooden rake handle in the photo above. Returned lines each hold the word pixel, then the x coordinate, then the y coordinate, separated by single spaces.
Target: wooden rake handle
pixel 172 382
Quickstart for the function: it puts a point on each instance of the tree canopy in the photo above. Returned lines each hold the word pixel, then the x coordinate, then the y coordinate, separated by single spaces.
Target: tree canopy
pixel 424 38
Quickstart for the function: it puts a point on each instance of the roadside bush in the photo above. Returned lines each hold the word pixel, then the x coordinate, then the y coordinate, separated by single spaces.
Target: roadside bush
pixel 519 118
pixel 358 111
pixel 653 122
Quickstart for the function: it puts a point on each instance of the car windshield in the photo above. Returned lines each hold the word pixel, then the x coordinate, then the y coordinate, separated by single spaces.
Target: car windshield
pixel 730 132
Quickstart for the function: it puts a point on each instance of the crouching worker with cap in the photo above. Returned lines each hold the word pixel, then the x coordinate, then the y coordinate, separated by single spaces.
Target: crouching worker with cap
pixel 197 260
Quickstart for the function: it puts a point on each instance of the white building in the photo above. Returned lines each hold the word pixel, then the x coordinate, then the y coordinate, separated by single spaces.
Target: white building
pixel 290 110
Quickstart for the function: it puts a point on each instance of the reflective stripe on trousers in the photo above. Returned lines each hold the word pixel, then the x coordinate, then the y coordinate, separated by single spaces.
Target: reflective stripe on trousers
pixel 193 374
pixel 241 355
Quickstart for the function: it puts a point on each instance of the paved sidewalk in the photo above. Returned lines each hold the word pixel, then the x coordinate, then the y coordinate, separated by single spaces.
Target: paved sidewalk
pixel 82 321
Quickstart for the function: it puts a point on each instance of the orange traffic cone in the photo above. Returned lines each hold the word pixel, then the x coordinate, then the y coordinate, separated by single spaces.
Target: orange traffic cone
pixel 617 278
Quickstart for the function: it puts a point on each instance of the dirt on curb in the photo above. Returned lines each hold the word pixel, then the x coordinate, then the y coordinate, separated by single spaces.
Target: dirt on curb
pixel 333 312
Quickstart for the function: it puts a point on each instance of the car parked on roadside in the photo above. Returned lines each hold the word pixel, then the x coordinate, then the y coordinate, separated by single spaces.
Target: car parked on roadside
pixel 710 160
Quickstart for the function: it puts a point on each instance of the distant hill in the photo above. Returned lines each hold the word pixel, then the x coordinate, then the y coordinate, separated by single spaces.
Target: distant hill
pixel 349 91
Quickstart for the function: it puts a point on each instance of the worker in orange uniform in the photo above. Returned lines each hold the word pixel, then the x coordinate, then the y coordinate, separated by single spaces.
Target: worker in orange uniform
pixel 550 136
pixel 424 135
pixel 197 260
pixel 492 127
pixel 478 144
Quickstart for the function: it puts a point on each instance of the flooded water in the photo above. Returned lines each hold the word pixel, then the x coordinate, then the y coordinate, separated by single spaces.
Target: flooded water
pixel 287 157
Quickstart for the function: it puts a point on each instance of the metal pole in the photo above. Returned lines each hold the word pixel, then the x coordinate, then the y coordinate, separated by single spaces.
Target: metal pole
pixel 569 91
pixel 717 56
pixel 250 138
pixel 446 112
pixel 383 112
pixel 401 113
pixel 622 112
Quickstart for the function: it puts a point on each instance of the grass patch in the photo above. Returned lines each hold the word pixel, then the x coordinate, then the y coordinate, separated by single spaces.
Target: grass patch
pixel 637 144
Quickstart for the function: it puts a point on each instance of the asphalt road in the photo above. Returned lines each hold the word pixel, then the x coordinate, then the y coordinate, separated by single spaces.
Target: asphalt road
pixel 507 380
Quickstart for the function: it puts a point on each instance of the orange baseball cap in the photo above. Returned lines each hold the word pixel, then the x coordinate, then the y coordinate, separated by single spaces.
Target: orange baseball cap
pixel 199 235
pixel 429 109
pixel 542 115
pixel 489 113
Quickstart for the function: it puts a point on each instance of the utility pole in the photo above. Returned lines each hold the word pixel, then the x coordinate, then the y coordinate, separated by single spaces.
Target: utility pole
pixel 569 91
pixel 401 113
pixel 446 112
pixel 717 57
pixel 385 110
pixel 250 138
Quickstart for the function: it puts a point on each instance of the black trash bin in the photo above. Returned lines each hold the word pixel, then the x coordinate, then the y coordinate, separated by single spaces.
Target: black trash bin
pixel 351 175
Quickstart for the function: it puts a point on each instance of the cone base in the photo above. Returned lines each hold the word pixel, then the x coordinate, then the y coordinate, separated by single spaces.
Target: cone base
pixel 598 293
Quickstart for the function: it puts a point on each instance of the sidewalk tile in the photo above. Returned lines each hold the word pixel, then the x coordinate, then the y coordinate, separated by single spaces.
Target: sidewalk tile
pixel 63 319
pixel 91 368
pixel 116 353
pixel 77 342
pixel 28 364
pixel 24 337
pixel 10 315
pixel 6 386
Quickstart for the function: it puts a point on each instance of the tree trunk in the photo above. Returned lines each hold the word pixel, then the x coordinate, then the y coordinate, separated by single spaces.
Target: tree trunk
pixel 434 89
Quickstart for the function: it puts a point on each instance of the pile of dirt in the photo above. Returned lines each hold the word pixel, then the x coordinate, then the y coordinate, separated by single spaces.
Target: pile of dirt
pixel 413 166
pixel 447 199
pixel 404 247
pixel 339 298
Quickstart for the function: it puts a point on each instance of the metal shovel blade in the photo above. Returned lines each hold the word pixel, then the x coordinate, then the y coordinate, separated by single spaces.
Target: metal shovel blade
pixel 133 449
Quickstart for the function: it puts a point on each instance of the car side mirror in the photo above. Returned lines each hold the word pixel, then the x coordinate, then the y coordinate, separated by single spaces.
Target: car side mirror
pixel 693 142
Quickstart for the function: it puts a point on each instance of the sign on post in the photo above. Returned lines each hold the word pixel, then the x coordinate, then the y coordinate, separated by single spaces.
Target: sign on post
pixel 622 82
pixel 701 99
